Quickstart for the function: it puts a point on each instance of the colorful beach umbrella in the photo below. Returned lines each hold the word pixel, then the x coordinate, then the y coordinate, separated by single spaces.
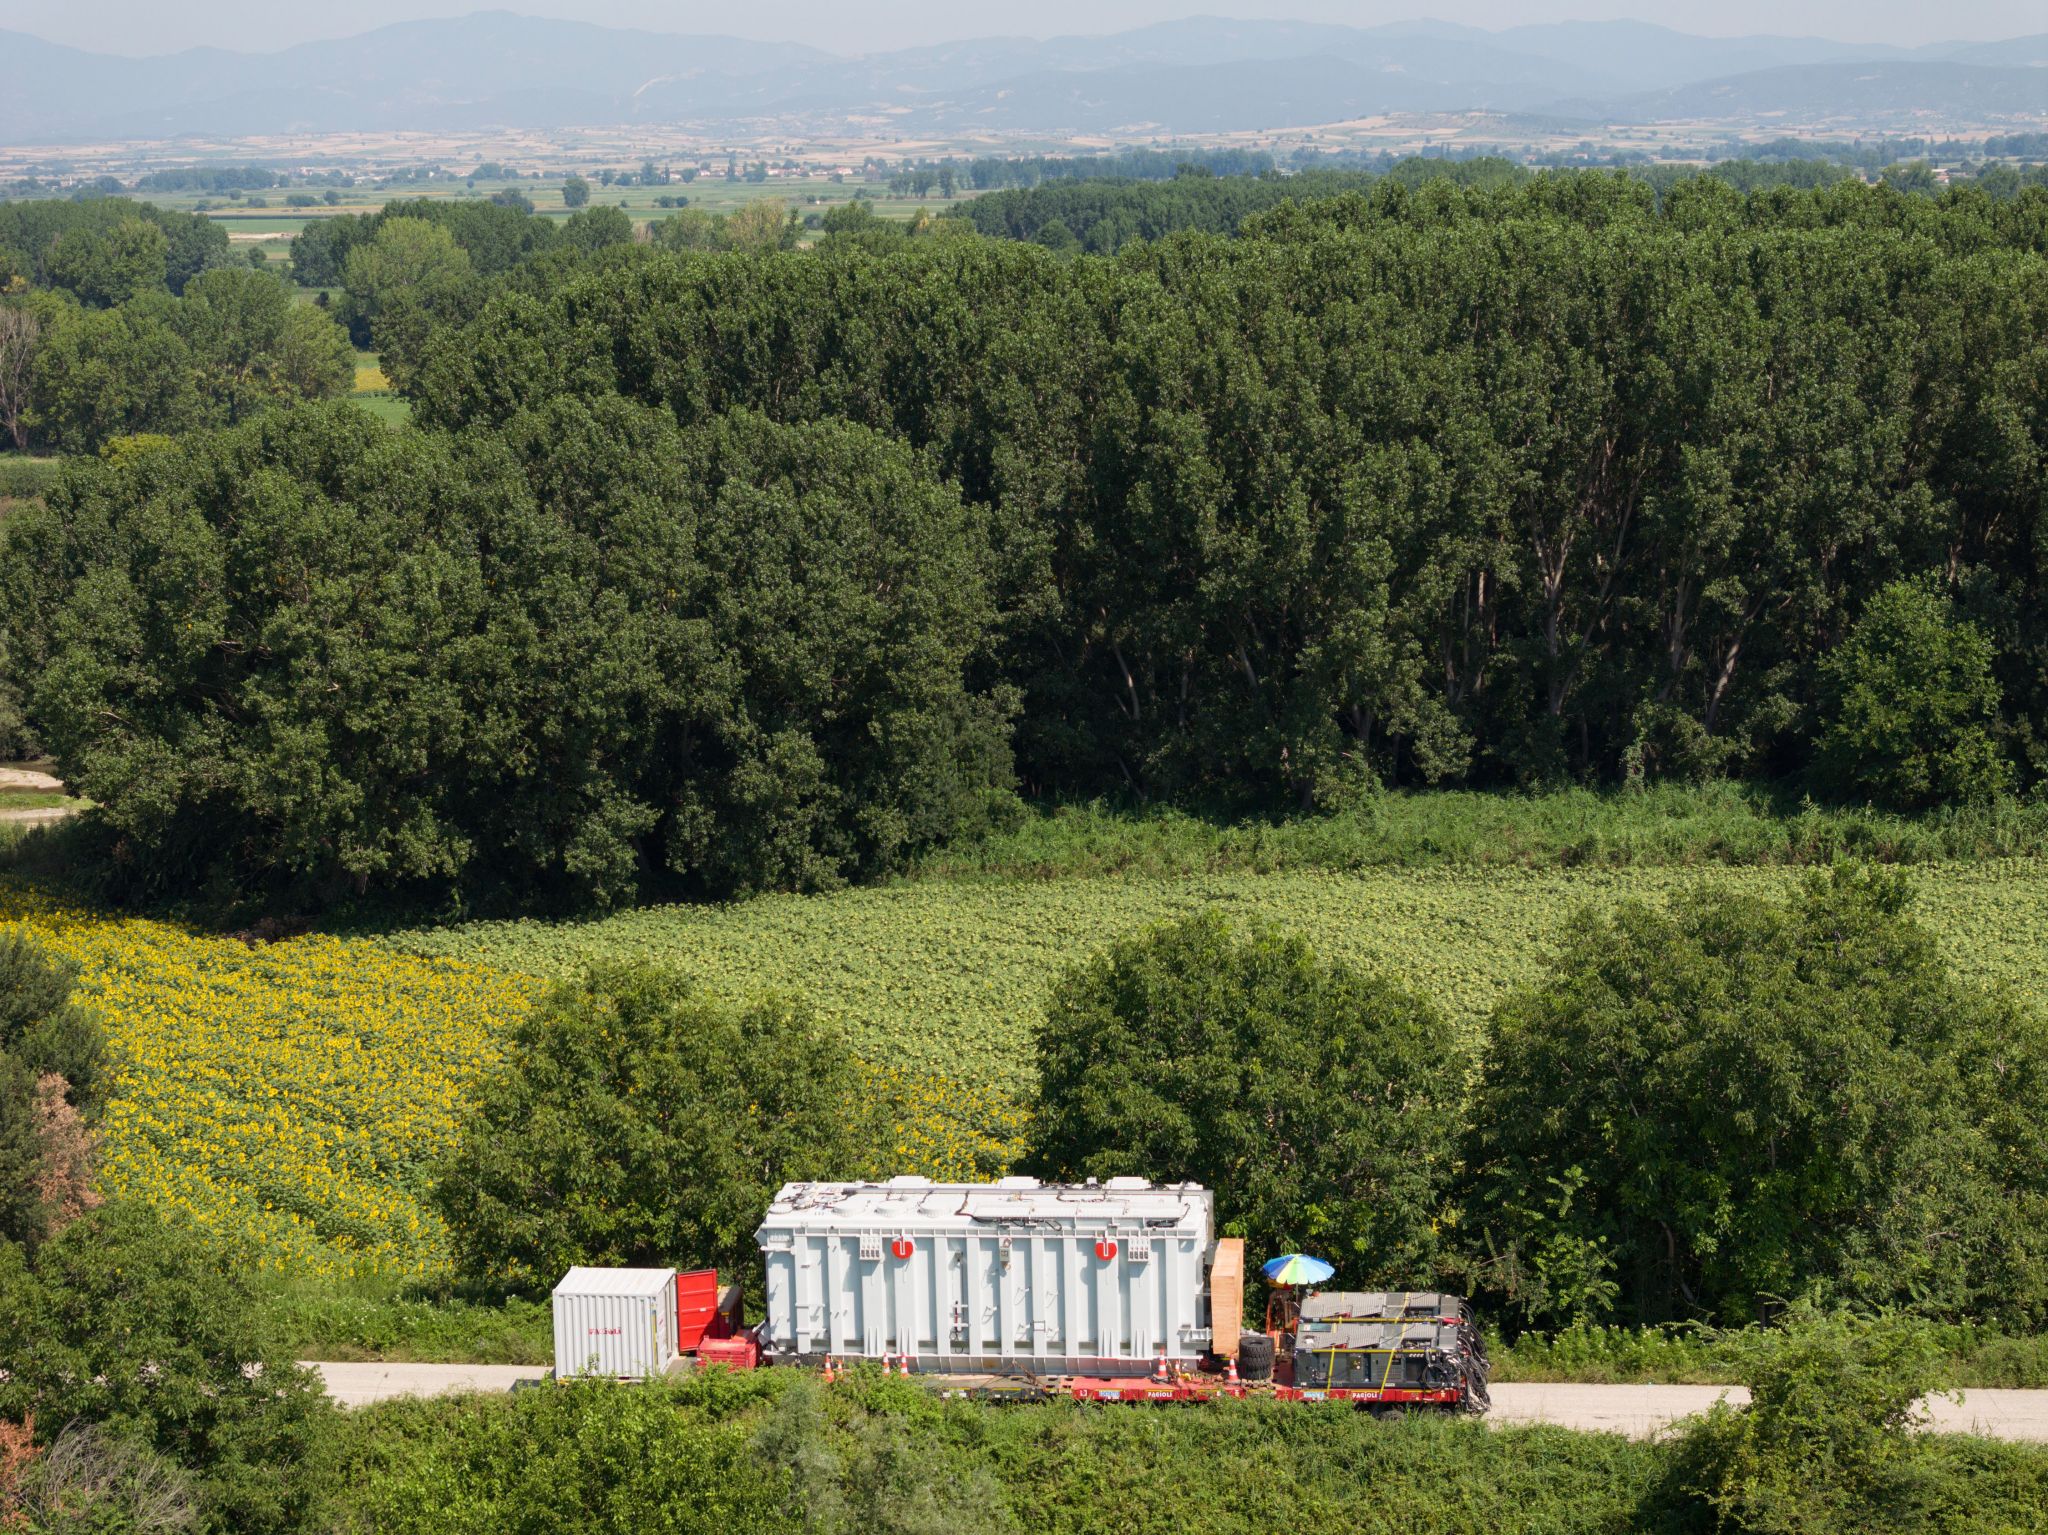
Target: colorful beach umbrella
pixel 1297 1268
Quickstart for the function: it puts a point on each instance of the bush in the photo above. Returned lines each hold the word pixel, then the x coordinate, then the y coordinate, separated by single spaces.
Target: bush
pixel 1911 703
pixel 89 1481
pixel 40 1023
pixel 585 1456
pixel 51 1053
pixel 1740 1100
pixel 129 1322
pixel 1825 1444
pixel 1320 1104
pixel 639 1123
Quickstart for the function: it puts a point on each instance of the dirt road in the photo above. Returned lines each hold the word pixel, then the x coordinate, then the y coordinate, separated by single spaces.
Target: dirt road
pixel 1637 1411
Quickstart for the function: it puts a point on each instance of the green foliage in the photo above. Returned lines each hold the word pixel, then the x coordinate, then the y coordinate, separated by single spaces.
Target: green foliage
pixel 1657 825
pixel 236 343
pixel 1911 705
pixel 1753 1099
pixel 595 229
pixel 1320 1104
pixel 773 1451
pixel 1973 1357
pixel 589 651
pixel 575 191
pixel 106 267
pixel 128 1322
pixel 41 1024
pixel 369 1319
pixel 42 1031
pixel 95 244
pixel 1824 1443
pixel 639 1123
pixel 1389 488
pixel 409 276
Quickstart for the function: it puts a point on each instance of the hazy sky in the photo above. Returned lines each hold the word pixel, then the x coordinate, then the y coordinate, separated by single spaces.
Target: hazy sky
pixel 152 26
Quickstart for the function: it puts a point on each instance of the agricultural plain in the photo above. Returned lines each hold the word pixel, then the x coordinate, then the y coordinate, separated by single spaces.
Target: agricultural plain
pixel 293 1098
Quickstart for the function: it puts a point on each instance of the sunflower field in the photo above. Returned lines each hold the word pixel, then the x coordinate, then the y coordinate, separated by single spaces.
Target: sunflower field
pixel 289 1097
pixel 293 1098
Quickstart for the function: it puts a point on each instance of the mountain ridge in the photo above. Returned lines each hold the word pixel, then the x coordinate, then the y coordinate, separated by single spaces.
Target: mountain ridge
pixel 500 69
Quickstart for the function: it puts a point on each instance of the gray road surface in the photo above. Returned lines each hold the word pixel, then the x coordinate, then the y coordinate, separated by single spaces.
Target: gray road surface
pixel 357 1385
pixel 1633 1410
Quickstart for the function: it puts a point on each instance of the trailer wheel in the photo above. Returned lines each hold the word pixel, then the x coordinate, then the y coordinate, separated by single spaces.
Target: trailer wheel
pixel 1255 1356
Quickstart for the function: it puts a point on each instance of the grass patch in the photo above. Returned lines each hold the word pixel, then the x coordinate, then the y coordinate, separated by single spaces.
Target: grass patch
pixel 1977 1358
pixel 25 480
pixel 364 1320
pixel 1661 826
pixel 40 799
pixel 391 409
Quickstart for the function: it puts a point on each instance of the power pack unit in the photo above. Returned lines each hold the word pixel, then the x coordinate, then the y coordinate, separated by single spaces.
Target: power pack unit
pixel 616 1322
pixel 1054 1279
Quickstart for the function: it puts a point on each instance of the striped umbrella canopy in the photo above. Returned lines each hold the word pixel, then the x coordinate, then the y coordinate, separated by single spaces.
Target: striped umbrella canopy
pixel 1297 1268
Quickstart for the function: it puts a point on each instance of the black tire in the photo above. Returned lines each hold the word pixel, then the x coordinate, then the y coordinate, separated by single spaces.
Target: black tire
pixel 1254 1356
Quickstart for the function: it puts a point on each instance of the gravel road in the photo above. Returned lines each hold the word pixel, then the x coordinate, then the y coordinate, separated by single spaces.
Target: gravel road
pixel 1633 1410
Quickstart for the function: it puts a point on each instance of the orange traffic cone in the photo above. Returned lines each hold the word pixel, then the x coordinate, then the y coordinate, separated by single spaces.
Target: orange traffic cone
pixel 1230 1376
pixel 903 1363
pixel 828 1370
pixel 888 1363
pixel 1159 1374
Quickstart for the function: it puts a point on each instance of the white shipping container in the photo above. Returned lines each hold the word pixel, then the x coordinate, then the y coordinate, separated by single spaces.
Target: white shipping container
pixel 616 1322
pixel 1059 1279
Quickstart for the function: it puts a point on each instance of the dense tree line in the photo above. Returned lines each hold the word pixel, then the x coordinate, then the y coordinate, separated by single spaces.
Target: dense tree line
pixel 494 236
pixel 212 178
pixel 1453 485
pixel 583 650
pixel 74 378
pixel 1508 483
pixel 107 249
pixel 993 172
pixel 1102 215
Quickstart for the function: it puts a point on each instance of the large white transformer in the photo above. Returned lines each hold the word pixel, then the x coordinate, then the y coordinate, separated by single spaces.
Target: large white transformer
pixel 1057 1279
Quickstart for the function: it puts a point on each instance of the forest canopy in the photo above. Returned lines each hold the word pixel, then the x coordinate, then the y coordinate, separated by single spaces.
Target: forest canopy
pixel 1534 480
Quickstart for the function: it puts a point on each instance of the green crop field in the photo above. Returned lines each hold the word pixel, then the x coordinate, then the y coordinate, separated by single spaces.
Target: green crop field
pixel 947 977
pixel 713 194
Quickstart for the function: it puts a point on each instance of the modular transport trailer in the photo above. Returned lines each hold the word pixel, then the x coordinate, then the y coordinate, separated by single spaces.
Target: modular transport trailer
pixel 1017 1290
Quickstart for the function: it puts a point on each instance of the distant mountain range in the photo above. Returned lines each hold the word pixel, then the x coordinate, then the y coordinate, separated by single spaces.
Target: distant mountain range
pixel 1203 75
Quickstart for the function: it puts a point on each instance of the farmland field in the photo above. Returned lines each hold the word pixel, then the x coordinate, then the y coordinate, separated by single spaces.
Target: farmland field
pixel 712 194
pixel 945 975
pixel 292 1098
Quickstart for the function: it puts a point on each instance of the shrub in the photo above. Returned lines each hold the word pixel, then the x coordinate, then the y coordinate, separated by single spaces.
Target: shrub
pixel 1743 1099
pixel 126 1321
pixel 1825 1444
pixel 90 1481
pixel 639 1123
pixel 1910 703
pixel 42 1025
pixel 1319 1103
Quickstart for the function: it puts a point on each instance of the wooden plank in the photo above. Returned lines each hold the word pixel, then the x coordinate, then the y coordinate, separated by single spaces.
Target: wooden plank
pixel 1226 1297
